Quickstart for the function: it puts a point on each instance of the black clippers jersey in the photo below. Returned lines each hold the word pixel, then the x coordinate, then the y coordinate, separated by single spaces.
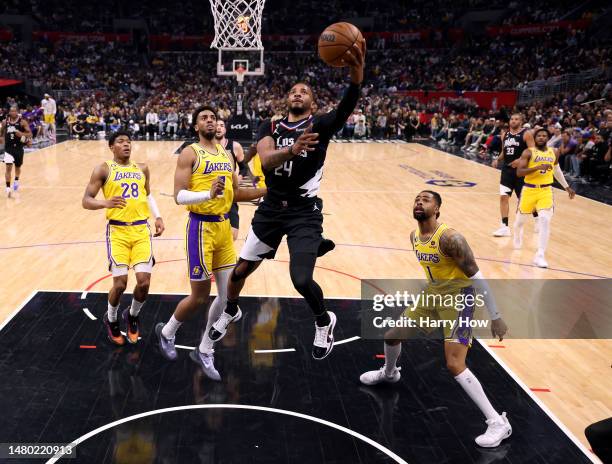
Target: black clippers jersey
pixel 514 146
pixel 12 143
pixel 298 179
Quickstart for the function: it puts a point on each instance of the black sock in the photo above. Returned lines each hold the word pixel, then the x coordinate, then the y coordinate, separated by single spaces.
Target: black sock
pixel 16 177
pixel 505 220
pixel 8 184
pixel 323 319
pixel 232 307
pixel 535 214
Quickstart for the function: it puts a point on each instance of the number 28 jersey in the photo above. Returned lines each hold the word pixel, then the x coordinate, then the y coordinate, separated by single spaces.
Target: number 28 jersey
pixel 298 180
pixel 127 182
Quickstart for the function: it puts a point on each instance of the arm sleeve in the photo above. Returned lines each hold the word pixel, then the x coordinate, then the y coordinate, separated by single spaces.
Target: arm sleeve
pixel 187 197
pixel 558 173
pixel 332 122
pixel 481 285
pixel 264 130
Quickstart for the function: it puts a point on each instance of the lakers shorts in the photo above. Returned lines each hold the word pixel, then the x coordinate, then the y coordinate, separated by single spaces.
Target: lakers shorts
pixel 209 245
pixel 129 245
pixel 454 308
pixel 49 118
pixel 535 198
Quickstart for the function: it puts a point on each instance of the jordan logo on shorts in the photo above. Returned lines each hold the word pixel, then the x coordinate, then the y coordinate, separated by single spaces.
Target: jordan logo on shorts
pixel 316 208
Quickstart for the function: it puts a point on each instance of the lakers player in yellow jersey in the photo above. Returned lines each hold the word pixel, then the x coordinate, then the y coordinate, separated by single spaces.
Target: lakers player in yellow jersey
pixel 129 204
pixel 205 181
pixel 450 268
pixel 539 165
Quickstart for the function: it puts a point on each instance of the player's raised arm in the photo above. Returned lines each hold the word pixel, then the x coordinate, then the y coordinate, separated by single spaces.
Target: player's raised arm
pixel 246 194
pixel 271 157
pixel 453 244
pixel 98 177
pixel 333 121
pixel 153 208
pixel 182 176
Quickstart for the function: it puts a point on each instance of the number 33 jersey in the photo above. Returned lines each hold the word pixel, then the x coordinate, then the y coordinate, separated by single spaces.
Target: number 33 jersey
pixel 127 182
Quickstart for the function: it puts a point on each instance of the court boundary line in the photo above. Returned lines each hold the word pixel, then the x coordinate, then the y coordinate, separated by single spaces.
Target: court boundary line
pixel 285 412
pixel 491 167
pixel 540 403
pixel 12 314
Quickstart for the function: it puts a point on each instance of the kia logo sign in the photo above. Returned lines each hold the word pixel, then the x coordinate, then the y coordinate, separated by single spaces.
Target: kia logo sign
pixel 239 126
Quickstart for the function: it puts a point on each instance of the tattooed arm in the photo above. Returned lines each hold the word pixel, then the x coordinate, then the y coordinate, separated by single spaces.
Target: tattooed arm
pixel 453 244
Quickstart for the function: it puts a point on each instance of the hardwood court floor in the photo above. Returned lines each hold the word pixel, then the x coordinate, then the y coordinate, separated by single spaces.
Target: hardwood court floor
pixel 47 241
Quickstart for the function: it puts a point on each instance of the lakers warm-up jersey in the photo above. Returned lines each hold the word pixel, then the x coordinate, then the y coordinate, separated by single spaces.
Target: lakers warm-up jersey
pixel 538 158
pixel 127 182
pixel 438 267
pixel 207 168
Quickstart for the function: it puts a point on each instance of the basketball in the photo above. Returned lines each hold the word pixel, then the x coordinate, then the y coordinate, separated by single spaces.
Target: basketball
pixel 335 41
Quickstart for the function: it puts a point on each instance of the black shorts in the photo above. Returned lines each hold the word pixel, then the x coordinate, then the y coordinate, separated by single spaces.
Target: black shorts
pixel 14 157
pixel 303 226
pixel 233 216
pixel 510 182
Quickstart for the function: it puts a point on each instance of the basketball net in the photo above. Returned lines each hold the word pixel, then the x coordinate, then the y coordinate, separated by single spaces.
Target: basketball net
pixel 237 24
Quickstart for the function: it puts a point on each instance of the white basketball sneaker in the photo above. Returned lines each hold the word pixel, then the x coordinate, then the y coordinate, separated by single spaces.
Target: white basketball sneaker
pixel 503 231
pixel 539 260
pixel 324 338
pixel 497 430
pixel 379 376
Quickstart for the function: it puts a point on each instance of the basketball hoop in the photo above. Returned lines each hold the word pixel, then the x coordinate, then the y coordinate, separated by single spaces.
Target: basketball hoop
pixel 237 24
pixel 240 72
pixel 238 36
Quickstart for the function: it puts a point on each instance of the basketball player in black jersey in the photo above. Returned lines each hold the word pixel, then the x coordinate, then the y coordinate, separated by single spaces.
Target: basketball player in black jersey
pixel 16 132
pixel 514 141
pixel 292 152
pixel 235 150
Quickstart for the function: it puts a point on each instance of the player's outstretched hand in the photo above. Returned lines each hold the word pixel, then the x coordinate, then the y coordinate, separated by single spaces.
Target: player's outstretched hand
pixel 499 328
pixel 355 58
pixel 115 202
pixel 515 163
pixel 571 192
pixel 305 142
pixel 159 227
pixel 216 188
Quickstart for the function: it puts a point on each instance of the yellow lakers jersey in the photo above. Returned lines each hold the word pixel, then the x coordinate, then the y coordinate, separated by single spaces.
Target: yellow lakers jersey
pixel 207 168
pixel 127 182
pixel 438 267
pixel 538 158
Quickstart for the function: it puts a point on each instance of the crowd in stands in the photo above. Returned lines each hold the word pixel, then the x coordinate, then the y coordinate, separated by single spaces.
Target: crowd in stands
pixel 101 87
pixel 185 17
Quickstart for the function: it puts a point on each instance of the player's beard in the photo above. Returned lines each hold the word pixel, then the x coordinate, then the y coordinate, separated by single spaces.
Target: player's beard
pixel 298 111
pixel 420 216
pixel 207 135
pixel 541 147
